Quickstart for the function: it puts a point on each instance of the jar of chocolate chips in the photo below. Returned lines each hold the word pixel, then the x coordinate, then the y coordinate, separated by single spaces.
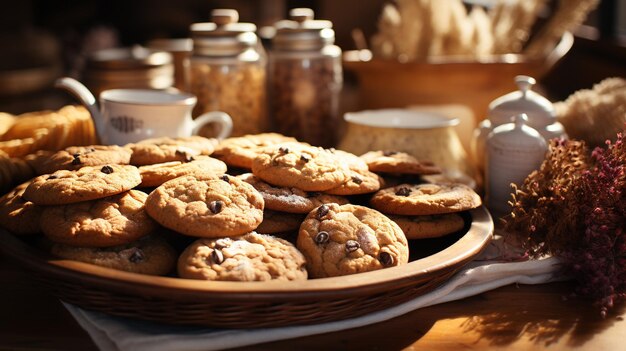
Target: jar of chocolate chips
pixel 227 71
pixel 305 78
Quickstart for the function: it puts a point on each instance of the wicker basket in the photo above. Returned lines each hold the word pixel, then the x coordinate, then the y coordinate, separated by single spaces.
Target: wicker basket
pixel 253 305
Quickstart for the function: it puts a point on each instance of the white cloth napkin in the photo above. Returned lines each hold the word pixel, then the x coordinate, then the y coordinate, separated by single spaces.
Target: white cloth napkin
pixel 492 269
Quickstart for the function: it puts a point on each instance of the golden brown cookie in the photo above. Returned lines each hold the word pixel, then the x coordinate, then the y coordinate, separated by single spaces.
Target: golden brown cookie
pixel 240 151
pixel 37 159
pixel 300 166
pixel 88 183
pixel 76 157
pixel 18 215
pixel 398 163
pixel 13 171
pixel 157 174
pixel 160 150
pixel 111 221
pixel 340 240
pixel 360 182
pixel 250 257
pixel 149 255
pixel 279 222
pixel 351 160
pixel 425 199
pixel 207 206
pixel 292 200
pixel 433 226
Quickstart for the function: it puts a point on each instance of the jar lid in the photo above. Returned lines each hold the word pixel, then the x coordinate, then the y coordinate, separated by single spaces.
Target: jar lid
pixel 131 58
pixel 302 32
pixel 224 36
pixel 539 110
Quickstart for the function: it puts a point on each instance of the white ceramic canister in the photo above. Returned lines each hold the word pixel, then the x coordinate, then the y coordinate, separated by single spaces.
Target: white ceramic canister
pixel 539 110
pixel 514 150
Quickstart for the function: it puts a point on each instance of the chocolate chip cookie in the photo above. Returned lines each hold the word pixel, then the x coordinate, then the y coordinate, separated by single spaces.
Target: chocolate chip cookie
pixel 292 200
pixel 339 240
pixel 240 151
pixel 160 150
pixel 425 199
pixel 398 163
pixel 148 255
pixel 279 222
pixel 207 206
pixel 360 182
pixel 18 215
pixel 251 257
pixel 157 174
pixel 300 166
pixel 433 226
pixel 88 183
pixel 111 221
pixel 76 157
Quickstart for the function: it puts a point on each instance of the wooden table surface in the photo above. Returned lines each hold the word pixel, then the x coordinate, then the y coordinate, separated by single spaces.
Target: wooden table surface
pixel 521 317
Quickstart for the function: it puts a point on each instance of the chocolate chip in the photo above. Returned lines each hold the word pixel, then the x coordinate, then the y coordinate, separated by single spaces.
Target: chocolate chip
pixel 352 246
pixel 389 153
pixel 321 238
pixel 322 211
pixel 76 154
pixel 403 191
pixel 357 180
pixel 180 153
pixel 76 160
pixel 107 169
pixel 225 178
pixel 386 259
pixel 189 158
pixel 284 150
pixel 136 256
pixel 217 256
pixel 52 177
pixel 304 159
pixel 216 206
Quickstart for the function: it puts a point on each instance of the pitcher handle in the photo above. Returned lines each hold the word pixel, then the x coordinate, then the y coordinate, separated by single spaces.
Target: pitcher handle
pixel 219 117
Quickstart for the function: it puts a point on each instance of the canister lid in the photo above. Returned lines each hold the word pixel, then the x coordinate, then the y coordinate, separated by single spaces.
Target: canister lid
pixel 223 36
pixel 302 32
pixel 136 57
pixel 539 110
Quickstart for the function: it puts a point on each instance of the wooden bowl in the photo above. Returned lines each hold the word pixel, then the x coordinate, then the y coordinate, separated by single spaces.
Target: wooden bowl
pixel 252 305
pixel 445 80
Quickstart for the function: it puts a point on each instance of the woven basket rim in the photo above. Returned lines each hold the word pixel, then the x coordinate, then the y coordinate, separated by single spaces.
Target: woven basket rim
pixel 424 269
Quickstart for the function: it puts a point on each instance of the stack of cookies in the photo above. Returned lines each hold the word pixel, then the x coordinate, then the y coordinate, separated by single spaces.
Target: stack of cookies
pixel 252 208
pixel 422 209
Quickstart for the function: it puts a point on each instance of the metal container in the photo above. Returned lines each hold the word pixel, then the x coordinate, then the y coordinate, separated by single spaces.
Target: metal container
pixel 132 67
pixel 181 49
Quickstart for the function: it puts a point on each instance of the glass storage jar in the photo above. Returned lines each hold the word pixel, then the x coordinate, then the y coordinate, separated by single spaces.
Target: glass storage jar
pixel 305 76
pixel 133 67
pixel 227 71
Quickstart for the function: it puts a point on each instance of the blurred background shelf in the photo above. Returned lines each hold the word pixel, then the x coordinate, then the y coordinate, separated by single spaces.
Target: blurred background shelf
pixel 74 28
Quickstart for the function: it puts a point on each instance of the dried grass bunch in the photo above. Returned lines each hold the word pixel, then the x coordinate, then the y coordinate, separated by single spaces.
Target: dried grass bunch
pixel 410 30
pixel 597 114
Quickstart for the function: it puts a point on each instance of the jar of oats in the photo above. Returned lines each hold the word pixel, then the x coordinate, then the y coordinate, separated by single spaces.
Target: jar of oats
pixel 305 78
pixel 227 71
